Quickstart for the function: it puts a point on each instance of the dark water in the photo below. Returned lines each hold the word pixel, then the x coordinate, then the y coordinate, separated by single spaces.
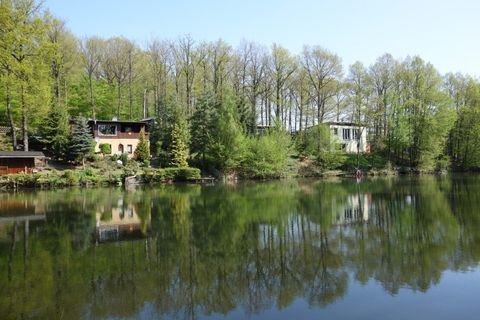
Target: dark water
pixel 385 249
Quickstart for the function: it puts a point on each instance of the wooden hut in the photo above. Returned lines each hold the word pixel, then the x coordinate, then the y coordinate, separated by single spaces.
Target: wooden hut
pixel 21 161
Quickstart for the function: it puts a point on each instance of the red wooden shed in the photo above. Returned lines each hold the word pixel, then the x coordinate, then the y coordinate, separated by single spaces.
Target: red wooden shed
pixel 20 161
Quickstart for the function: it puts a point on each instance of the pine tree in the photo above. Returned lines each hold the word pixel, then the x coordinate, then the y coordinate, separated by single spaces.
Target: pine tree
pixel 179 146
pixel 142 152
pixel 81 141
pixel 54 133
pixel 201 128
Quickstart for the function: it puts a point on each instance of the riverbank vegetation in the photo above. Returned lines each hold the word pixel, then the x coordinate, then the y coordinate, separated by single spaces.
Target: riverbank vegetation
pixel 250 111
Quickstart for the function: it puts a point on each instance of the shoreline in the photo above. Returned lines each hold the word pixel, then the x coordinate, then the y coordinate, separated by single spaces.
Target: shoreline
pixel 54 179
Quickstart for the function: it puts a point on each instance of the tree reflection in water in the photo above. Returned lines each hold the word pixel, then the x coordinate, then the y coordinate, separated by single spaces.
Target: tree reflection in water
pixel 189 251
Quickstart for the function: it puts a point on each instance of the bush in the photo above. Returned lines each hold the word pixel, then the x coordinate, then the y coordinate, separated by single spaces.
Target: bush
pixel 124 158
pixel 142 152
pixel 105 148
pixel 171 174
pixel 331 160
pixel 88 177
pixel 268 155
pixel 365 161
pixel 71 178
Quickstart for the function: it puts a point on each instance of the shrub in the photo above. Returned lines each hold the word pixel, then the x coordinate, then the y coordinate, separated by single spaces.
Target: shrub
pixel 171 174
pixel 124 158
pixel 142 151
pixel 71 178
pixel 267 156
pixel 365 161
pixel 105 148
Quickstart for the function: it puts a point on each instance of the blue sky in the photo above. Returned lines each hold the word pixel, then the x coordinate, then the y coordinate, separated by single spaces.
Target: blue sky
pixel 445 33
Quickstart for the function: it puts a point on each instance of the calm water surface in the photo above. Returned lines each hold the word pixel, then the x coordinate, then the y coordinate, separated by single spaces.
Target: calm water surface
pixel 384 249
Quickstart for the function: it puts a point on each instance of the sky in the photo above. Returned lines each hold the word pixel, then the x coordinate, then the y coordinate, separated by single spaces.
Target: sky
pixel 443 32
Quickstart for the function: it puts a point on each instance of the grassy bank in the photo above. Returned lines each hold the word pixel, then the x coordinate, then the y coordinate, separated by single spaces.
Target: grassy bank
pixel 105 172
pixel 96 177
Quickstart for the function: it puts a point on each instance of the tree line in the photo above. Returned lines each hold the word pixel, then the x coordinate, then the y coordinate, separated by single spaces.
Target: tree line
pixel 209 98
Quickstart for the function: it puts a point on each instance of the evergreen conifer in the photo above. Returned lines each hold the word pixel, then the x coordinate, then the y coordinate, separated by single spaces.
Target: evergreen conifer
pixel 80 141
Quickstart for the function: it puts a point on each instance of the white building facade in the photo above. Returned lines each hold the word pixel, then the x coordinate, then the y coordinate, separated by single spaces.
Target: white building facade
pixel 350 137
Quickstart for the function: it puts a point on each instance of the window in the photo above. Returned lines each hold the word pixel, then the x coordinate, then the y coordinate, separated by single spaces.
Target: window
pixel 129 148
pixel 356 134
pixel 120 148
pixel 107 130
pixel 335 131
pixel 346 134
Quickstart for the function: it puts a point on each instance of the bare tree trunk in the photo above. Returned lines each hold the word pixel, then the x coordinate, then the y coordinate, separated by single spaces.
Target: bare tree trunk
pixel 92 99
pixel 145 114
pixel 9 112
pixel 130 95
pixel 130 99
pixel 24 120
pixel 65 94
pixel 57 85
pixel 119 99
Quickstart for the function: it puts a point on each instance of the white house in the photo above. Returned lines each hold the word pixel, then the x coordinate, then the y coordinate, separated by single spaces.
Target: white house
pixel 355 208
pixel 351 137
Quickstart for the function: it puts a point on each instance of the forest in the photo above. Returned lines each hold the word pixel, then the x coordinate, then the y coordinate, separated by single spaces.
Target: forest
pixel 208 98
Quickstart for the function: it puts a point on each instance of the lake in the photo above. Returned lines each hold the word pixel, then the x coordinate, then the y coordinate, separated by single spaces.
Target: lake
pixel 393 248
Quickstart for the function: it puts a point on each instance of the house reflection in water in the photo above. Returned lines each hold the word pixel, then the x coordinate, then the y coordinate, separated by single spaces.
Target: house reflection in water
pixel 119 223
pixel 17 211
pixel 354 209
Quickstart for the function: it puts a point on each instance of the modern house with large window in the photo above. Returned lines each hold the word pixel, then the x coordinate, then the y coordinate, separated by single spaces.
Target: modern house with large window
pixel 351 137
pixel 122 136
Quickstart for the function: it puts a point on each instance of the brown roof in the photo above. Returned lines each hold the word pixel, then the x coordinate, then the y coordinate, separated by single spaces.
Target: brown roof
pixel 145 121
pixel 21 154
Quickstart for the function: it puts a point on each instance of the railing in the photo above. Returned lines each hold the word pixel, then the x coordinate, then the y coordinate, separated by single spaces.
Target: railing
pixel 122 135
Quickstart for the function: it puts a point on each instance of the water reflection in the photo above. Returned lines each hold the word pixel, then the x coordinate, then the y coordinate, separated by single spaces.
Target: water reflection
pixel 191 251
pixel 120 221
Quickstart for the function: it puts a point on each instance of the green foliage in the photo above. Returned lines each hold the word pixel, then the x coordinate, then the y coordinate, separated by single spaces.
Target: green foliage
pixel 317 142
pixel 124 158
pixel 422 121
pixel 227 146
pixel 160 132
pixel 81 141
pixel 142 152
pixel 201 129
pixel 331 160
pixel 413 115
pixel 268 155
pixel 179 143
pixel 5 143
pixel 464 142
pixel 54 133
pixel 365 161
pixel 171 174
pixel 105 148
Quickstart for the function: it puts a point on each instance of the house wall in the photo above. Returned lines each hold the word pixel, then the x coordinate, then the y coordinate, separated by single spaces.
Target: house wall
pixel 355 208
pixel 351 145
pixel 127 134
pixel 115 143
